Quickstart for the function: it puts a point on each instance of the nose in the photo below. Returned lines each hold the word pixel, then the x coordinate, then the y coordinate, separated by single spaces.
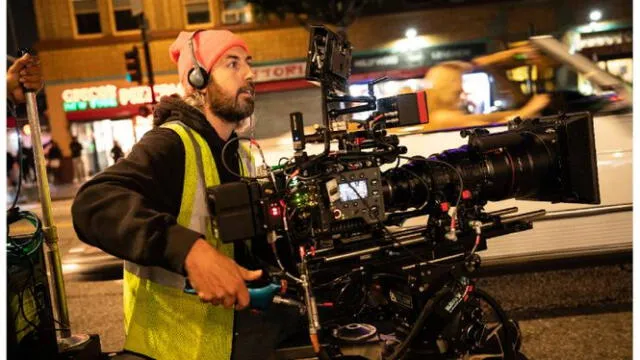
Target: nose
pixel 249 75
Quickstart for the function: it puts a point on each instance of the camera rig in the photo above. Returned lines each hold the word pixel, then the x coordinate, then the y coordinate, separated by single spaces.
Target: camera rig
pixel 335 218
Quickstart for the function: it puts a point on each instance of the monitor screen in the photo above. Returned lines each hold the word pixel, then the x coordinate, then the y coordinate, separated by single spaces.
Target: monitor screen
pixel 347 192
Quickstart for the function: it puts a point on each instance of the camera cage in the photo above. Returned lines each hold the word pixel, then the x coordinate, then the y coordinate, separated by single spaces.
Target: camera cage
pixel 341 211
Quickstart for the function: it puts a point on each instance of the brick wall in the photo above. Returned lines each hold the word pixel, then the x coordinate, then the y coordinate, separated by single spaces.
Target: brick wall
pixel 503 21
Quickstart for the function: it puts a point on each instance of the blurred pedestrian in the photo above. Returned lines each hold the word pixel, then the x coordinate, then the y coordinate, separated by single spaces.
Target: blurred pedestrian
pixel 28 165
pixel 11 163
pixel 53 158
pixel 116 152
pixel 79 173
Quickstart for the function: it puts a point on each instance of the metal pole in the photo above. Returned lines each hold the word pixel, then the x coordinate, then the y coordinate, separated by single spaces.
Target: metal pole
pixel 50 231
pixel 147 55
pixel 530 83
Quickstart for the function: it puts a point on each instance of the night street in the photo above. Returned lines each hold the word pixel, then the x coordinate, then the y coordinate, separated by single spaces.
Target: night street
pixel 568 314
pixel 380 180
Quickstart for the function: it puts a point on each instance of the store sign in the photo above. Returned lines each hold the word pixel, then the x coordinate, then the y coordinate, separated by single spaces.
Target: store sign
pixel 418 58
pixel 279 72
pixel 110 96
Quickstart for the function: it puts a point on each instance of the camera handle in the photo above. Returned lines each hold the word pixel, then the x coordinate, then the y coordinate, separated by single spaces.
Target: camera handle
pixel 259 298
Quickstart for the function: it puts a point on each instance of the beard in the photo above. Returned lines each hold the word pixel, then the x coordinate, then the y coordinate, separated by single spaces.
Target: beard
pixel 231 109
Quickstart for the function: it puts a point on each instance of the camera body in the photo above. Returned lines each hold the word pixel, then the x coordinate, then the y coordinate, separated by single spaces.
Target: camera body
pixel 344 214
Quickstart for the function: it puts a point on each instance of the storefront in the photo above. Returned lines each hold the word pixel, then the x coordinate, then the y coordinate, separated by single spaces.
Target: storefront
pixel 103 112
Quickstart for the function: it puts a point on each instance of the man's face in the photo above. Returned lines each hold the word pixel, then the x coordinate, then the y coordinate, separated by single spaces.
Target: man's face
pixel 231 91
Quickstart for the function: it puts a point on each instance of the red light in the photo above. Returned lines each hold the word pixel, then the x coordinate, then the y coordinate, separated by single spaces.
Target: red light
pixel 444 206
pixel 466 194
pixel 275 211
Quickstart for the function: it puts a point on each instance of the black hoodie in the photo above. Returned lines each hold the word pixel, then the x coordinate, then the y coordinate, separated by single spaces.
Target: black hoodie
pixel 130 209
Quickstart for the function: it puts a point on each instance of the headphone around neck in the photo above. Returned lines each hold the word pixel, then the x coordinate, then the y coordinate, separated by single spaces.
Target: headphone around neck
pixel 197 77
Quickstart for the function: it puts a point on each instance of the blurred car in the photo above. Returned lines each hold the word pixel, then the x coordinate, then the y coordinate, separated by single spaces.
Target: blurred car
pixel 573 82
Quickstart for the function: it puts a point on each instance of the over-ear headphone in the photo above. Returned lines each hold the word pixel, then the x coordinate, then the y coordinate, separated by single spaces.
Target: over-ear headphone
pixel 198 77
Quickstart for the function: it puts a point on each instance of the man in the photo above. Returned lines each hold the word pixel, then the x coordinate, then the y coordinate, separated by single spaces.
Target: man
pixel 116 152
pixel 53 157
pixel 444 97
pixel 76 157
pixel 149 210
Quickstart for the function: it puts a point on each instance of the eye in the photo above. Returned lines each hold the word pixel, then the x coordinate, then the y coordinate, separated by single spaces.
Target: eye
pixel 234 64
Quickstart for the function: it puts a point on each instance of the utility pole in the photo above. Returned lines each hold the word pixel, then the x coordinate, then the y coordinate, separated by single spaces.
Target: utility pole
pixel 144 25
pixel 138 10
pixel 530 83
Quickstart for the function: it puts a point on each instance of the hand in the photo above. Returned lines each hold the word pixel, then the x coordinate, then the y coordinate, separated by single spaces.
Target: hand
pixel 24 71
pixel 524 55
pixel 216 278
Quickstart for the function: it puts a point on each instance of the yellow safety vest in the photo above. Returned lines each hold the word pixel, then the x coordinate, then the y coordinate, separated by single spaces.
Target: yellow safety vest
pixel 161 321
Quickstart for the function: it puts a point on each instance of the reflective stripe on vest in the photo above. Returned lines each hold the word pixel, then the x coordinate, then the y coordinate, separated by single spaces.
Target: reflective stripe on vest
pixel 161 321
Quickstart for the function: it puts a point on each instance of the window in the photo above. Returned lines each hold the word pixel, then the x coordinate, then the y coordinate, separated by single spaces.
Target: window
pixel 236 12
pixel 122 15
pixel 198 12
pixel 87 17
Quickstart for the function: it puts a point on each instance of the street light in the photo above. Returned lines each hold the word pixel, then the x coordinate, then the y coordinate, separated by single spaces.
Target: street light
pixel 411 33
pixel 595 15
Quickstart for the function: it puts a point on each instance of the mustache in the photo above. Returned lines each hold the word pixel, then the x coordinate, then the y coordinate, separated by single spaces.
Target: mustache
pixel 248 88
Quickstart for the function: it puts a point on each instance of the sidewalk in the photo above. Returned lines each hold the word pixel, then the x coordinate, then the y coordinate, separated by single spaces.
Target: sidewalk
pixel 29 192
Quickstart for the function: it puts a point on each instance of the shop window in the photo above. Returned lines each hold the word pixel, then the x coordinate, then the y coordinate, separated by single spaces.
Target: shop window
pixel 122 16
pixel 198 11
pixel 236 12
pixel 87 16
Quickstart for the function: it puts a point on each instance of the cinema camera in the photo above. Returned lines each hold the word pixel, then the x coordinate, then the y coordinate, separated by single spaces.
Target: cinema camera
pixel 355 269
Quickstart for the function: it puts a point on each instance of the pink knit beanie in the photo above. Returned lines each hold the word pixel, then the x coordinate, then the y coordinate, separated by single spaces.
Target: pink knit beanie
pixel 209 46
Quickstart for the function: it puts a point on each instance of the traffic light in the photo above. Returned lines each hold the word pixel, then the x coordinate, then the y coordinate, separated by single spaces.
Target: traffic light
pixel 132 61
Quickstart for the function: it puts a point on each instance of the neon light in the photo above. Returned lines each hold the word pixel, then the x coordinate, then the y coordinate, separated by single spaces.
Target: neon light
pixel 93 104
pixel 109 96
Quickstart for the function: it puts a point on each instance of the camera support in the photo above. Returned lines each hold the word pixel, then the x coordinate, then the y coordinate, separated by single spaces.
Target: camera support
pixel 66 341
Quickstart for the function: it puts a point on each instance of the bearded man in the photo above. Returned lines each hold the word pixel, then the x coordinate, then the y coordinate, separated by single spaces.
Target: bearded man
pixel 150 210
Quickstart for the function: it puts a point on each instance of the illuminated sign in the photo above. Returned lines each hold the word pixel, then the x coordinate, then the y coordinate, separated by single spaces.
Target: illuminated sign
pixel 279 72
pixel 110 96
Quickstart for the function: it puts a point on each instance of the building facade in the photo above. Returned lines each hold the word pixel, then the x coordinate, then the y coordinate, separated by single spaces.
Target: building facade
pixel 82 45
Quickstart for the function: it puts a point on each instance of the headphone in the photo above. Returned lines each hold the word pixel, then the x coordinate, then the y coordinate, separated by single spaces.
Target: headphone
pixel 197 77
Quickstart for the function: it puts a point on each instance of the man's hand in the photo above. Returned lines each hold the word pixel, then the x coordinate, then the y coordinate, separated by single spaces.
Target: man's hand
pixel 24 71
pixel 217 278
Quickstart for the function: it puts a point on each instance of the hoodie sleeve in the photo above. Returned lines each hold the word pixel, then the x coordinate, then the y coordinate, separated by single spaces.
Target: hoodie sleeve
pixel 130 209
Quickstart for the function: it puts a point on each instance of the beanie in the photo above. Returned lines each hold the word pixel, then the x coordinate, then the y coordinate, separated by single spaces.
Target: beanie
pixel 208 45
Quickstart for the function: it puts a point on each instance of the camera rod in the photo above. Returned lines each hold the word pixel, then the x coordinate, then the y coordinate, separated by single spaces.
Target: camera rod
pixel 416 236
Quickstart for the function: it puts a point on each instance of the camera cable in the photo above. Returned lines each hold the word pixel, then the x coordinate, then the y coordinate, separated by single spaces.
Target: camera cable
pixel 417 326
